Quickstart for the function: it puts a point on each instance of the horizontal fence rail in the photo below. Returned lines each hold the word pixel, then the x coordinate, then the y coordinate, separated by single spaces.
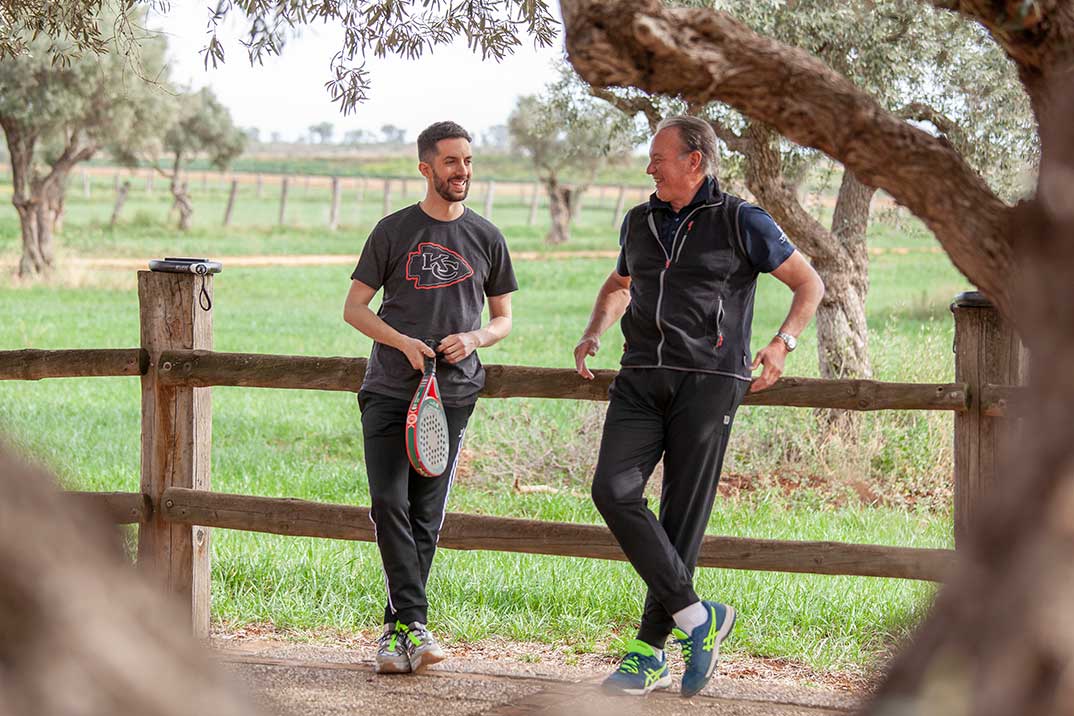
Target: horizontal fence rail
pixel 31 364
pixel 207 368
pixel 120 508
pixel 285 516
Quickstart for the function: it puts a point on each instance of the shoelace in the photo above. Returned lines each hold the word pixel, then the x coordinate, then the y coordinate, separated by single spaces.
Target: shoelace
pixel 630 664
pixel 388 639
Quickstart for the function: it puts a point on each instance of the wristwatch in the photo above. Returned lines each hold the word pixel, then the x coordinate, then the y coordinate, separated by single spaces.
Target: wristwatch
pixel 788 339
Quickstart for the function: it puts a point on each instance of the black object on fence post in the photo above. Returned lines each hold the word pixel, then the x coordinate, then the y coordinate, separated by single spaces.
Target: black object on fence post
pixel 987 353
pixel 176 438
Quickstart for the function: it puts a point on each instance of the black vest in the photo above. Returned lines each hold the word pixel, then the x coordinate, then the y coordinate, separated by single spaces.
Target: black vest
pixel 690 309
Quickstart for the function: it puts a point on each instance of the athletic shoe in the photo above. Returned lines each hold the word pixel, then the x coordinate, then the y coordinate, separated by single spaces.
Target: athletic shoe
pixel 392 654
pixel 640 671
pixel 701 648
pixel 422 647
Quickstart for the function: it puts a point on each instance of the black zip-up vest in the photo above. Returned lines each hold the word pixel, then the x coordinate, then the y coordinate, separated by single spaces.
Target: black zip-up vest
pixel 690 309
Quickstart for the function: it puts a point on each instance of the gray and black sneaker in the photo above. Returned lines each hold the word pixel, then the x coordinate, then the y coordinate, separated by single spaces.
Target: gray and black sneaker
pixel 423 647
pixel 393 656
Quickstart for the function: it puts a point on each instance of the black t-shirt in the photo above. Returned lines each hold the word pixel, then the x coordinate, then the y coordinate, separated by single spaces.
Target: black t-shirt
pixel 435 276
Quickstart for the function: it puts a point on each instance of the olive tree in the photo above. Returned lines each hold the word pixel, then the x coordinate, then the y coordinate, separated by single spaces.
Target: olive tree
pixel 565 131
pixel 57 114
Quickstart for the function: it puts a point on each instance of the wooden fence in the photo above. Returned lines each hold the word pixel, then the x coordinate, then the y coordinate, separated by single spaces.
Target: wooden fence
pixel 175 508
pixel 354 194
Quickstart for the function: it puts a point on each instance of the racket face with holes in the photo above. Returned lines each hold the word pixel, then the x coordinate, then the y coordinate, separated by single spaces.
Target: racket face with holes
pixel 427 428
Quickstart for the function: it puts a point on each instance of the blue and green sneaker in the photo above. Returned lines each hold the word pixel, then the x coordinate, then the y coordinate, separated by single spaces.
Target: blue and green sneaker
pixel 639 672
pixel 701 648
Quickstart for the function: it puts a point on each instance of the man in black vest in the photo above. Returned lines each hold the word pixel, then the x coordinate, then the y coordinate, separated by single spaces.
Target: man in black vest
pixel 684 287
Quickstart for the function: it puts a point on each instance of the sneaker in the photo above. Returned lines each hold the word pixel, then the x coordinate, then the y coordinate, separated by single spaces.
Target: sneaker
pixel 640 671
pixel 422 646
pixel 701 648
pixel 392 655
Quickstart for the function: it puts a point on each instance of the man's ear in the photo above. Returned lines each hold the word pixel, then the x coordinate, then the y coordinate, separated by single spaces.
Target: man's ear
pixel 425 170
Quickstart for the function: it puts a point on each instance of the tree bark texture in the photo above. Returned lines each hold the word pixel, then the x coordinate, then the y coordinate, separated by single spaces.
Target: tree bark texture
pixel 80 632
pixel 704 56
pixel 561 204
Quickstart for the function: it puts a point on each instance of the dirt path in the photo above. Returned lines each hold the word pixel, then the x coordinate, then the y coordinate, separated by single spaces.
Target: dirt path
pixel 491 679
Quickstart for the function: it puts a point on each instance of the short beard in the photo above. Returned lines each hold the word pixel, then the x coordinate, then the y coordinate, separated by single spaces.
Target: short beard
pixel 443 188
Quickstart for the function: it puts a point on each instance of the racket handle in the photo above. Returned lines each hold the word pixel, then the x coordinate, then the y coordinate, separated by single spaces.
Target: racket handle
pixel 430 363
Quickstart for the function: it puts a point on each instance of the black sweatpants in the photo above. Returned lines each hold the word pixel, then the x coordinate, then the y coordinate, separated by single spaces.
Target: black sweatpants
pixel 407 508
pixel 686 417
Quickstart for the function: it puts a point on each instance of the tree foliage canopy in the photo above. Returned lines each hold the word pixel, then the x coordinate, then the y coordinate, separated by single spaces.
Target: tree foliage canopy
pixel 565 129
pixel 405 28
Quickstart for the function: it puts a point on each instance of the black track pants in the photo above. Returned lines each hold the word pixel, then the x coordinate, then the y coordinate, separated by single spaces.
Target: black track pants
pixel 686 418
pixel 407 508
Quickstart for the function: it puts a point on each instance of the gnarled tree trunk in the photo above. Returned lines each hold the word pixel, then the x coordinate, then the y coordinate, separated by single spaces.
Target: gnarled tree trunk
pixel 39 200
pixel 561 203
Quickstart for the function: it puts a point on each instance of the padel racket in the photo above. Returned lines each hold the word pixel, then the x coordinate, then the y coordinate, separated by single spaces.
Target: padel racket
pixel 426 425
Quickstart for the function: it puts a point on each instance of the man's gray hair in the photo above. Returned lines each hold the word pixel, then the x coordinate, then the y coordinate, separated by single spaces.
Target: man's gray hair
pixel 697 136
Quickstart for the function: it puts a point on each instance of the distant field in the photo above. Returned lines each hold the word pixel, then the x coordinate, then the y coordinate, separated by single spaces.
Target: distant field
pixel 783 481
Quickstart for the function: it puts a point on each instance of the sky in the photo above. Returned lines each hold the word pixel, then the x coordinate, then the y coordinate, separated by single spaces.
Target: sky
pixel 287 93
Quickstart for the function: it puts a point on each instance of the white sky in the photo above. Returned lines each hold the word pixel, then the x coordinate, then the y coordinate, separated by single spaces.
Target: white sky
pixel 287 93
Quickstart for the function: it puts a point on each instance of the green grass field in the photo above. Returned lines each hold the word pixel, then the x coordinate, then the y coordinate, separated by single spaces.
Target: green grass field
pixel 892 487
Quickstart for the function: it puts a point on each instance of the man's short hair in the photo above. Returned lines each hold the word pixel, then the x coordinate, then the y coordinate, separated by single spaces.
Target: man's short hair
pixel 697 136
pixel 434 133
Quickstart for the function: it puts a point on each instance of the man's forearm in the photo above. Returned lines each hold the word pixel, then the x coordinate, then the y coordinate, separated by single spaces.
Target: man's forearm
pixel 612 301
pixel 496 330
pixel 373 326
pixel 803 307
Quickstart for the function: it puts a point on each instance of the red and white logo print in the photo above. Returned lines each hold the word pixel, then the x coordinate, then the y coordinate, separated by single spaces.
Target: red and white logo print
pixel 434 266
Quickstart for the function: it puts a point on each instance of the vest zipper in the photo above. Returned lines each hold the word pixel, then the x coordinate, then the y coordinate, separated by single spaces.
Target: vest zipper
pixel 667 265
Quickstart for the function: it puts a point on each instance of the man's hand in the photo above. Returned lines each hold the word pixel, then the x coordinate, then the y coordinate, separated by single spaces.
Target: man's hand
pixel 416 352
pixel 772 357
pixel 457 346
pixel 587 346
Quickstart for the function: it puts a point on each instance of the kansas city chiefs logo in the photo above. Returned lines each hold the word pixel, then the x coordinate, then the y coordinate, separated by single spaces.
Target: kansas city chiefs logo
pixel 433 266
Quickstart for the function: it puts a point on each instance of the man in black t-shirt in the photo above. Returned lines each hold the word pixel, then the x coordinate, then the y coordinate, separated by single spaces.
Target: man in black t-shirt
pixel 436 261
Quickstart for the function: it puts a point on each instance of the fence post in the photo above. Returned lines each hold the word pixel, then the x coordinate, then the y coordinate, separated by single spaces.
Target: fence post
pixel 283 200
pixel 387 197
pixel 149 182
pixel 231 201
pixel 176 438
pixel 85 184
pixel 260 183
pixel 620 202
pixel 490 192
pixel 533 204
pixel 987 351
pixel 333 216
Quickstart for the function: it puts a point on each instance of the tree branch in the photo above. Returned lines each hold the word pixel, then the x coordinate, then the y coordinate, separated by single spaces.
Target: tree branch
pixel 630 105
pixel 706 56
pixel 735 142
pixel 764 178
pixel 950 129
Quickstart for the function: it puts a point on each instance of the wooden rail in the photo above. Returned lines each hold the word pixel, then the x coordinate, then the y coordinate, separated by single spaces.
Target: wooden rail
pixel 121 508
pixel 31 364
pixel 285 516
pixel 206 368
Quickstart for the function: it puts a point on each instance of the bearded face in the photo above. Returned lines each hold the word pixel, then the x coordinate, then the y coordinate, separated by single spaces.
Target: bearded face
pixel 454 184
